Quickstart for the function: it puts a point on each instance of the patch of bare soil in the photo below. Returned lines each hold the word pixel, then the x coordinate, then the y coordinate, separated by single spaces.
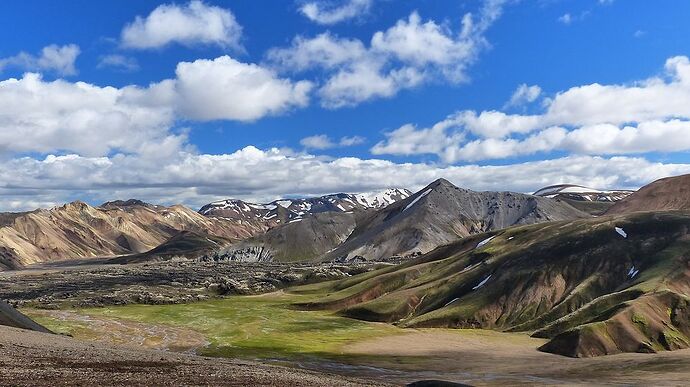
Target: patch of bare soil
pixel 481 357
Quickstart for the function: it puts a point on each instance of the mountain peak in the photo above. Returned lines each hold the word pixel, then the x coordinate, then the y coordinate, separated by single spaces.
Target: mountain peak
pixel 441 183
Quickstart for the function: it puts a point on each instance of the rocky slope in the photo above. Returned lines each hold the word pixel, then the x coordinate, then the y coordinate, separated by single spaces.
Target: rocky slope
pixel 303 239
pixel 671 193
pixel 78 230
pixel 441 213
pixel 593 286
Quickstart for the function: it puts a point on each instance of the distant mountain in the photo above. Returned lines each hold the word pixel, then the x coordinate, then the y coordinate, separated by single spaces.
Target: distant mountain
pixel 590 200
pixel 578 192
pixel 441 213
pixel 302 229
pixel 285 210
pixel 593 286
pixel 671 193
pixel 438 214
pixel 78 230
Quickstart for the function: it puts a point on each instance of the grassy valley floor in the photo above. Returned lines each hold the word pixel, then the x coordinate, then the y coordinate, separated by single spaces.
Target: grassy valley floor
pixel 268 328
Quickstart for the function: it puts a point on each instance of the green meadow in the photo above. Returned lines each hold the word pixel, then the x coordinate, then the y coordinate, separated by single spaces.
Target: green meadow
pixel 265 326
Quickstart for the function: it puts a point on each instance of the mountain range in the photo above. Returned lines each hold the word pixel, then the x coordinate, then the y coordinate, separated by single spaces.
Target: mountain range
pixel 138 231
pixel 438 214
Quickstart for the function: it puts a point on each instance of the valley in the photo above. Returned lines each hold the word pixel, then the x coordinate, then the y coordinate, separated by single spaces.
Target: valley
pixel 478 288
pixel 267 328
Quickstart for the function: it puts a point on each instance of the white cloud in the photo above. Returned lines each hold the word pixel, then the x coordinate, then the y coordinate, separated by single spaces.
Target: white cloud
pixel 322 141
pixel 351 140
pixel 120 62
pixel 58 59
pixel 255 174
pixel 406 55
pixel 61 116
pixel 565 19
pixel 323 12
pixel 523 95
pixel 41 116
pixel 319 141
pixel 648 116
pixel 191 24
pixel 224 88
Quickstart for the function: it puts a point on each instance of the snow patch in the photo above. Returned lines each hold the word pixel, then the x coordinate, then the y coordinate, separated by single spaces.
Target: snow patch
pixel 451 301
pixel 417 199
pixel 621 232
pixel 284 203
pixel 482 283
pixel 632 272
pixel 485 241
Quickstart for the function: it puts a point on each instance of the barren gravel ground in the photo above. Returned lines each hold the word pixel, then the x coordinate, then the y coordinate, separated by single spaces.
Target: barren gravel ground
pixel 38 359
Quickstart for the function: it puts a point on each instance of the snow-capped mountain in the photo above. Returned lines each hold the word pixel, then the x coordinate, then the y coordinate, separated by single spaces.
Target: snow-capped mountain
pixel 291 210
pixel 578 192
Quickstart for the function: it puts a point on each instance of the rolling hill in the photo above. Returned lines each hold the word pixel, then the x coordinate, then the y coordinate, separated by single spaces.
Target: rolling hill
pixel 592 286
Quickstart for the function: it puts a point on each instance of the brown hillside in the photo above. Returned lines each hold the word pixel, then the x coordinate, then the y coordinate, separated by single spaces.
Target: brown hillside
pixel 670 193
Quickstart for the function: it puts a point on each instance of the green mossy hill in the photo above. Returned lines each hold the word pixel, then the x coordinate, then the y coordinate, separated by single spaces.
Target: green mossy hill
pixel 567 281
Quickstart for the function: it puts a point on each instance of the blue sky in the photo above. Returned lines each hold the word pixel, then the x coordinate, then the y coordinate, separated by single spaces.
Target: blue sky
pixel 398 93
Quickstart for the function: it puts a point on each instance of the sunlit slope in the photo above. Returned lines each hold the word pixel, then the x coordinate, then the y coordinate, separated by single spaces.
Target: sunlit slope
pixel 594 286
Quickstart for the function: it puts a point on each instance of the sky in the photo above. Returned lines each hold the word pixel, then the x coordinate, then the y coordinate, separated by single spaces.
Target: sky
pixel 194 101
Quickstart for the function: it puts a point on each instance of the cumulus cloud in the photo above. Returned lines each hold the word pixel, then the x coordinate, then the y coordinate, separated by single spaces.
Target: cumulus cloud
pixel 255 174
pixel 652 115
pixel 61 116
pixel 42 116
pixel 322 141
pixel 194 23
pixel 225 88
pixel 58 59
pixel 406 55
pixel 323 12
pixel 118 62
